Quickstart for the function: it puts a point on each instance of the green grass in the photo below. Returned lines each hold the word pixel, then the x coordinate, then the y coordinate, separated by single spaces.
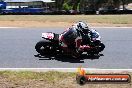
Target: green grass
pixel 51 76
pixel 110 19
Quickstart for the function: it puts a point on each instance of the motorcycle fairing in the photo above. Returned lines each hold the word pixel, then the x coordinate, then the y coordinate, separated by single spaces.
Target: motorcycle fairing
pixel 48 35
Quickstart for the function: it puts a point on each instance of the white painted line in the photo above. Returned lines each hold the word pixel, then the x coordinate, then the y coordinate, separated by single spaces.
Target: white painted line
pixel 9 27
pixel 96 70
pixel 112 27
pixel 90 27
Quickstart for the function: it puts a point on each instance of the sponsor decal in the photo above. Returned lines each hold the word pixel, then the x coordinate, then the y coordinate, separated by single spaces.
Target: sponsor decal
pixel 82 77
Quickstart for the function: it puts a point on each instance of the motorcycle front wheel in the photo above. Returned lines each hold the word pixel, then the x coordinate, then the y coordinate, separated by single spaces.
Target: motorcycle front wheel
pixel 97 49
pixel 101 47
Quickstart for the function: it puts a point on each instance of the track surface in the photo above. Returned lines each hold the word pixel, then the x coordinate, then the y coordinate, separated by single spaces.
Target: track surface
pixel 17 50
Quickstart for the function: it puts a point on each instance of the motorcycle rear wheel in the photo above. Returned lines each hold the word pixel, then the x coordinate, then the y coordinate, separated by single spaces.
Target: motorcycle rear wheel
pixel 44 47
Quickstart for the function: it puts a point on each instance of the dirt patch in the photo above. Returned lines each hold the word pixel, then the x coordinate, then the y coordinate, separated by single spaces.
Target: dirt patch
pixel 32 24
pixel 54 24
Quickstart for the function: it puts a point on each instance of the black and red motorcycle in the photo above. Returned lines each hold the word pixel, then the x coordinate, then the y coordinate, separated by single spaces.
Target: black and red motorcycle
pixel 52 45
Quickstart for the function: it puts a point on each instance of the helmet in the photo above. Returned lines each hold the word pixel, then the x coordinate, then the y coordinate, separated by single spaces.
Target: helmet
pixel 82 27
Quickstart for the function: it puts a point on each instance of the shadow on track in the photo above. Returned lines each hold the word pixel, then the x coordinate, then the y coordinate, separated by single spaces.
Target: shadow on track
pixel 69 59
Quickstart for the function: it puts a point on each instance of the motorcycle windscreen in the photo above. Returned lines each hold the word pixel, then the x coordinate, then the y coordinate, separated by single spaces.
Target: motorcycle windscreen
pixel 95 35
pixel 70 36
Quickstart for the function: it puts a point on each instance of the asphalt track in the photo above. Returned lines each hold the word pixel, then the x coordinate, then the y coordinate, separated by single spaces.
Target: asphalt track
pixel 17 50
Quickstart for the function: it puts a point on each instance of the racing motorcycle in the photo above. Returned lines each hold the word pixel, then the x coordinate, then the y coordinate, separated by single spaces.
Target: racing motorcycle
pixel 51 44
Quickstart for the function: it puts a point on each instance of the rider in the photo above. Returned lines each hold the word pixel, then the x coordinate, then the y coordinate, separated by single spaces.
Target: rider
pixel 83 32
pixel 73 37
pixel 88 35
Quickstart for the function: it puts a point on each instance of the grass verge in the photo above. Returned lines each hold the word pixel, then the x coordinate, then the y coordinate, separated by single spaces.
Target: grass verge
pixel 49 76
pixel 112 19
pixel 51 79
pixel 65 20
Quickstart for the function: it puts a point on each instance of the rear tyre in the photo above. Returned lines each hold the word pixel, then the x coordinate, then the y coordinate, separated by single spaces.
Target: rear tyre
pixel 44 47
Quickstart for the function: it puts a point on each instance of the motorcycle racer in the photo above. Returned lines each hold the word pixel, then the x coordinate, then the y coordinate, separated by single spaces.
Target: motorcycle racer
pixel 73 37
pixel 90 37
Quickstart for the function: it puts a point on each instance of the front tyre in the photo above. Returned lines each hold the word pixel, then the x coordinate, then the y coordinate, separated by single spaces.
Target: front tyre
pixel 101 47
pixel 97 49
pixel 44 47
